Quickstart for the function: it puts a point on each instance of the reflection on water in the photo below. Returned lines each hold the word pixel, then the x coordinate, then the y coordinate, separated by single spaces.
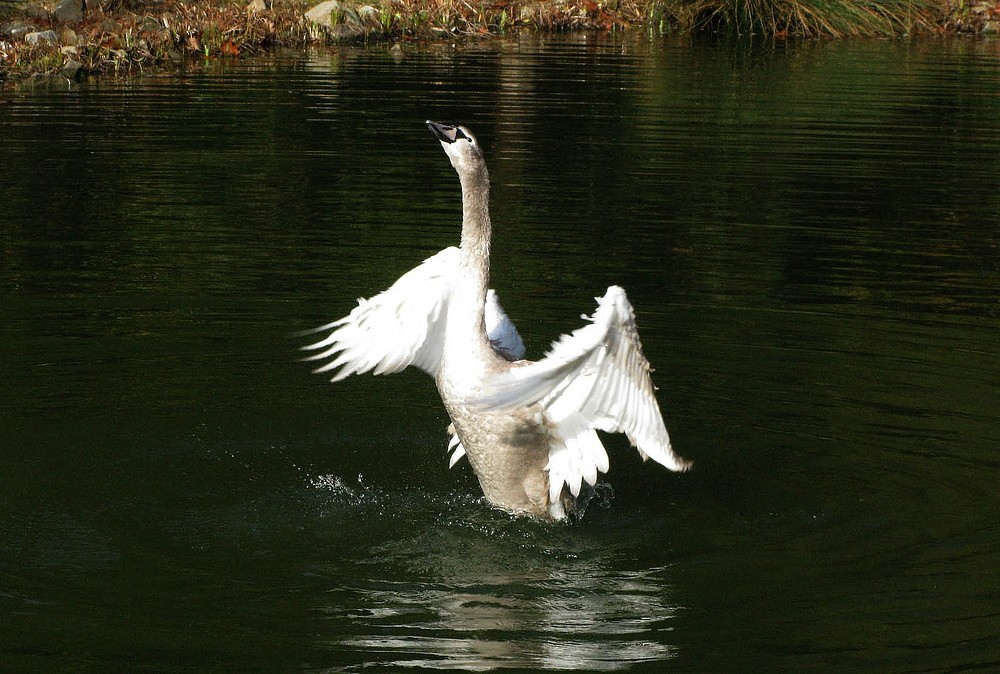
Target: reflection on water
pixel 485 590
pixel 808 233
pixel 583 621
pixel 492 591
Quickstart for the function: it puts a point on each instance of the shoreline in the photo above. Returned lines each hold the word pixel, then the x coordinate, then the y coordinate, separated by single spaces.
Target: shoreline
pixel 77 39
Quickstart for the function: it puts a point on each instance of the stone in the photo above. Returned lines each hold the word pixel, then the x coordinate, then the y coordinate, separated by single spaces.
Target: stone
pixel 42 37
pixel 346 32
pixel 256 6
pixel 341 21
pixel 324 13
pixel 35 10
pixel 69 11
pixel 71 69
pixel 17 29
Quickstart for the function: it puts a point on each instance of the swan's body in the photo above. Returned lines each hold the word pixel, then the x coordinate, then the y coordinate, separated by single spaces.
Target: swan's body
pixel 528 428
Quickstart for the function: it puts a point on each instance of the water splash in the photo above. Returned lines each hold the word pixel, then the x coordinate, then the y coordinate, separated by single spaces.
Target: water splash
pixel 340 488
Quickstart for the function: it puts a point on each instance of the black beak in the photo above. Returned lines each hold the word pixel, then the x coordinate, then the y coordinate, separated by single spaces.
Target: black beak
pixel 446 133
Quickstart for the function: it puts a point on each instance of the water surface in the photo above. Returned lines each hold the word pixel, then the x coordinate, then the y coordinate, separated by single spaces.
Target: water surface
pixel 809 234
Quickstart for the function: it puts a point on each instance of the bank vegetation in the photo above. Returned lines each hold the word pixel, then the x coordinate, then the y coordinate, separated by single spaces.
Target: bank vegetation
pixel 78 38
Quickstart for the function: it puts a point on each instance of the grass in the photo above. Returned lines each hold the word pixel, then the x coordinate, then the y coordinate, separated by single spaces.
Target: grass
pixel 815 18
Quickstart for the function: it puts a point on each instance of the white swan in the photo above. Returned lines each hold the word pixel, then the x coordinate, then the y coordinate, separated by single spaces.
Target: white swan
pixel 528 428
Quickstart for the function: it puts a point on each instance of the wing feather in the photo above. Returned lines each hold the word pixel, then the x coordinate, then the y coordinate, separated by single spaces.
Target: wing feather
pixel 454 446
pixel 595 378
pixel 401 326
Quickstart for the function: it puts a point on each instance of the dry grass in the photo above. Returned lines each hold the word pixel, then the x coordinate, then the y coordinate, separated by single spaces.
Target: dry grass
pixel 125 41
pixel 813 18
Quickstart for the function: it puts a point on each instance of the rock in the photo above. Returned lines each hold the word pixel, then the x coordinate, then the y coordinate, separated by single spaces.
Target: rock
pixel 346 33
pixel 69 51
pixel 326 13
pixel 69 11
pixel 41 37
pixel 35 10
pixel 256 6
pixel 71 69
pixel 17 29
pixel 342 22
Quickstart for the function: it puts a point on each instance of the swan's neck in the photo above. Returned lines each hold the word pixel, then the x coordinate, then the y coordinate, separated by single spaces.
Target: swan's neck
pixel 466 312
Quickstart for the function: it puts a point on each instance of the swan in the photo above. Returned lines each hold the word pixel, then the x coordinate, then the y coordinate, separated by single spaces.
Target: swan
pixel 527 428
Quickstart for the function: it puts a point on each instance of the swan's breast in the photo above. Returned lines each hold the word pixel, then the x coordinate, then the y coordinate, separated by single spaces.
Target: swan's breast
pixel 508 451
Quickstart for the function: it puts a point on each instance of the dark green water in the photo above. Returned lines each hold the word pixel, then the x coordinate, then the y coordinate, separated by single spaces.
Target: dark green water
pixel 811 238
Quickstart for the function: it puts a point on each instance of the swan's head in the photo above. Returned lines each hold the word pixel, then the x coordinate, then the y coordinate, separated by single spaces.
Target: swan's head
pixel 460 145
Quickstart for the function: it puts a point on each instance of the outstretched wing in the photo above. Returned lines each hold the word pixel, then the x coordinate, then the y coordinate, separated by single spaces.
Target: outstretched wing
pixel 595 378
pixel 404 325
pixel 401 326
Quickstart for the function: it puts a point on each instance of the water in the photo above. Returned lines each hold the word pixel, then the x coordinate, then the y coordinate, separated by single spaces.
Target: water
pixel 809 234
